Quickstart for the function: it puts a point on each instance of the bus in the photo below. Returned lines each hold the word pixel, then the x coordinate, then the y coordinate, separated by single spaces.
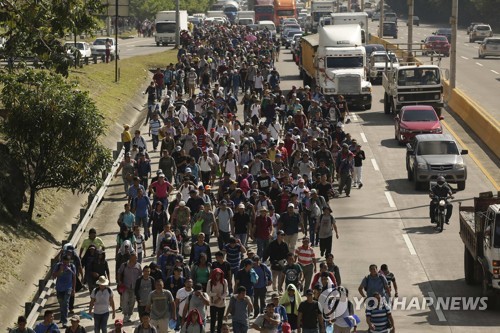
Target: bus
pixel 264 10
pixel 284 9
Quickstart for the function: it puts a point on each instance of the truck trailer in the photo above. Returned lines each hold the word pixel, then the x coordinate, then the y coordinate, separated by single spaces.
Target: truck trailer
pixel 165 26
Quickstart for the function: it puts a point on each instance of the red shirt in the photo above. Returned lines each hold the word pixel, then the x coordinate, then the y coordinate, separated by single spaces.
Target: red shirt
pixel 263 227
pixel 161 190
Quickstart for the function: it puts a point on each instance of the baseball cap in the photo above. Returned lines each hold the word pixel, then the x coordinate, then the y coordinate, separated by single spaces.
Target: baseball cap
pixel 291 205
pixel 309 292
pixel 119 322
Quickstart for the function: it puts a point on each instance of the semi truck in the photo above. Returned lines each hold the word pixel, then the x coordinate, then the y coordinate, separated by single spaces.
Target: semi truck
pixel 165 26
pixel 480 233
pixel 319 8
pixel 360 18
pixel 334 60
pixel 245 17
pixel 264 10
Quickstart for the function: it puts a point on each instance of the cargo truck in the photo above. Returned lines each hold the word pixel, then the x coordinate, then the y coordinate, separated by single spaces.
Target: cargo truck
pixel 165 26
pixel 319 8
pixel 246 17
pixel 480 233
pixel 360 18
pixel 334 60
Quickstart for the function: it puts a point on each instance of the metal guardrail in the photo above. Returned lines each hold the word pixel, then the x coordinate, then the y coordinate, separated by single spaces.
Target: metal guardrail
pixel 46 286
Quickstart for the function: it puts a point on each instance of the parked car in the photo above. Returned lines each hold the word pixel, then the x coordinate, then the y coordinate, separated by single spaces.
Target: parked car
pixel 490 47
pixel 390 29
pixel 429 156
pixel 82 47
pixel 480 32
pixel 416 119
pixel 99 47
pixel 443 32
pixel 436 44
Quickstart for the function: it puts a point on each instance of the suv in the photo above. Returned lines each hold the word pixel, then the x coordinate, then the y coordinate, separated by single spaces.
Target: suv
pixel 489 47
pixel 429 156
pixel 99 48
pixel 480 32
pixel 390 29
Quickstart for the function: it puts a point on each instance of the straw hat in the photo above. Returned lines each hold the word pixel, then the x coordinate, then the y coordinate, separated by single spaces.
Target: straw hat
pixel 102 281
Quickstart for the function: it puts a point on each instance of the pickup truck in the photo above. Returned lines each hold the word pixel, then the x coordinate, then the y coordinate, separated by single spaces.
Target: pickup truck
pixel 99 48
pixel 429 156
pixel 377 63
pixel 480 233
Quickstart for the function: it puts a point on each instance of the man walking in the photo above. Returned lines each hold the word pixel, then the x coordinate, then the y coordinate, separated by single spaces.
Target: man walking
pixel 161 306
pixel 65 273
pixel 310 319
pixel 128 273
pixel 307 259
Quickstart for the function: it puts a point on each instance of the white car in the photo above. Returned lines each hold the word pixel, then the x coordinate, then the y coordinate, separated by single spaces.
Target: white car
pixel 489 47
pixel 376 64
pixel 99 47
pixel 82 47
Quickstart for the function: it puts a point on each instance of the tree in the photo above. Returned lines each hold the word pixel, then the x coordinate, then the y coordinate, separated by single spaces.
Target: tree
pixel 53 132
pixel 34 28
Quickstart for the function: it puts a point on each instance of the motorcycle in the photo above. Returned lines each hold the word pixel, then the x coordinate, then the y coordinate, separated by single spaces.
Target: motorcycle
pixel 440 211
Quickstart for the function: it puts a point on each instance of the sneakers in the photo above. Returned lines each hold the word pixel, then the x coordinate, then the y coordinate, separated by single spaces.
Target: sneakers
pixel 360 185
pixel 447 222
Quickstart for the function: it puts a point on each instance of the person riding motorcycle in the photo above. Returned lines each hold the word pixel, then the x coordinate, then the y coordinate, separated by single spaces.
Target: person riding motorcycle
pixel 440 190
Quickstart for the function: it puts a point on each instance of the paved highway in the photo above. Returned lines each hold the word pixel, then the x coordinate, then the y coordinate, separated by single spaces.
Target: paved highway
pixel 385 222
pixel 139 46
pixel 478 78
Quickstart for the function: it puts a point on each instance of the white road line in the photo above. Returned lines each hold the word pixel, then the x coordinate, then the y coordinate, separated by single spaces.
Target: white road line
pixel 354 117
pixel 388 195
pixel 466 44
pixel 494 71
pixel 439 312
pixel 479 64
pixel 375 165
pixel 476 47
pixel 363 137
pixel 409 244
pixel 464 57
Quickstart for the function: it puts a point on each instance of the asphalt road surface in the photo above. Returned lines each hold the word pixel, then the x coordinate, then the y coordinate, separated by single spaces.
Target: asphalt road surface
pixel 139 46
pixel 478 78
pixel 384 222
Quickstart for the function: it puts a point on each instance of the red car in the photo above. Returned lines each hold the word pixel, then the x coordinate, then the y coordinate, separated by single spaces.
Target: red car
pixel 437 44
pixel 416 119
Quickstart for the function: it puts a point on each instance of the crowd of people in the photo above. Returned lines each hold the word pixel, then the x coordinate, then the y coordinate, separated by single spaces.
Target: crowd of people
pixel 246 180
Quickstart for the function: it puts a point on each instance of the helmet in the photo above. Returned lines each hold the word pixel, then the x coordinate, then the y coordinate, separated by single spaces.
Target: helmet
pixel 441 180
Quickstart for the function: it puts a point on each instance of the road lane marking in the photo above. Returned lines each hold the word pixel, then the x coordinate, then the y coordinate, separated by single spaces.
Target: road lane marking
pixel 494 72
pixel 439 312
pixel 472 156
pixel 464 57
pixel 409 244
pixel 479 64
pixel 466 44
pixel 363 137
pixel 375 165
pixel 354 117
pixel 388 195
pixel 476 47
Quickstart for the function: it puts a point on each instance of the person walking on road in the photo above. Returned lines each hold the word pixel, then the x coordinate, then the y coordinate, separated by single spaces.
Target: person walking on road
pixel 240 306
pixel 128 273
pixel 145 325
pixel 324 227
pixel 65 273
pixel 291 224
pixel 310 319
pixel 374 283
pixel 307 259
pixel 277 252
pixel 21 326
pixel 143 287
pixel 217 289
pixel 161 306
pixel 268 321
pixel 101 299
pixel 379 316
pixel 47 325
pixel 346 169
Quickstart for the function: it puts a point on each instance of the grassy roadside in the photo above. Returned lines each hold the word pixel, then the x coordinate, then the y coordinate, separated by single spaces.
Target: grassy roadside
pixel 16 242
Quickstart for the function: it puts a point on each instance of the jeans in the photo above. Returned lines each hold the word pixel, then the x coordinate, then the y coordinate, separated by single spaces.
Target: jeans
pixel 261 245
pixel 101 322
pixel 216 316
pixel 243 238
pixel 240 327
pixel 63 299
pixel 159 92
pixel 312 231
pixel 259 300
pixel 127 146
pixel 223 239
pixel 156 140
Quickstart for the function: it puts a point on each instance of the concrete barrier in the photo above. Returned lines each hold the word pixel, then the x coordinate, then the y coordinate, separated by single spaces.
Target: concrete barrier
pixel 479 120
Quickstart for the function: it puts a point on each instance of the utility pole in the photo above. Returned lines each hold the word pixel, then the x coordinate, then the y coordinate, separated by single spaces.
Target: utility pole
pixel 410 29
pixel 362 5
pixel 381 20
pixel 453 54
pixel 116 41
pixel 177 25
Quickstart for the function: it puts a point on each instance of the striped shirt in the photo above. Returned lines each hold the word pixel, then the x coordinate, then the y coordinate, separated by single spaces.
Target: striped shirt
pixel 154 126
pixel 379 317
pixel 305 256
pixel 233 256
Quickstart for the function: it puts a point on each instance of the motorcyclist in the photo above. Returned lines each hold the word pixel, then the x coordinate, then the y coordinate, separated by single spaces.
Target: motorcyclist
pixel 440 190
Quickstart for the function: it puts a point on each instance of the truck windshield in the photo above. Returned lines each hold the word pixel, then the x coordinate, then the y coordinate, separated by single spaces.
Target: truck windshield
pixel 496 240
pixel 290 12
pixel 264 9
pixel 418 76
pixel 437 148
pixel 165 27
pixel 344 62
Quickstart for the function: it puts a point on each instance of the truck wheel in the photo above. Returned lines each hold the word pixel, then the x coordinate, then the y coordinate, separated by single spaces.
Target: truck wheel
pixel 487 292
pixel 368 106
pixel 387 108
pixel 468 267
pixel 418 185
pixel 461 186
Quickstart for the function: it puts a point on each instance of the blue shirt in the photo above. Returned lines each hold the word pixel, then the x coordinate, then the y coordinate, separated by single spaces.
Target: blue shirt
pixel 132 191
pixel 280 309
pixel 64 281
pixel 261 283
pixel 51 328
pixel 142 206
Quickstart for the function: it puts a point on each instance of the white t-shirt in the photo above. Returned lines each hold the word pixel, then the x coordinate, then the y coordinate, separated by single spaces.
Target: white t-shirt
pixel 230 166
pixel 275 130
pixel 258 81
pixel 205 164
pixel 254 110
pixel 182 295
pixel 236 134
pixel 101 305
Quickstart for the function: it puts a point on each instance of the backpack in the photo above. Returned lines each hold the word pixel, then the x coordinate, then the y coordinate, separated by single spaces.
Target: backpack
pixel 254 277
pixel 97 288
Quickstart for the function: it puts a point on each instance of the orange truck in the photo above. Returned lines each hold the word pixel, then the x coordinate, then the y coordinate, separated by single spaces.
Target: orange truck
pixel 284 9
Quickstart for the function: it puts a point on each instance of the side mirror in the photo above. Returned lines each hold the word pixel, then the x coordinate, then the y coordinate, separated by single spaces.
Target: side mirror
pixel 409 148
pixel 441 118
pixel 464 152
